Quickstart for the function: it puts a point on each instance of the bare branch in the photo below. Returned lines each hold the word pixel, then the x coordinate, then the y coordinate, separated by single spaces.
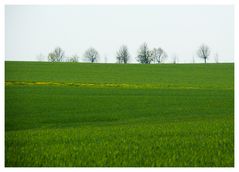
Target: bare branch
pixel 159 55
pixel 145 56
pixel 92 55
pixel 203 52
pixel 57 55
pixel 122 56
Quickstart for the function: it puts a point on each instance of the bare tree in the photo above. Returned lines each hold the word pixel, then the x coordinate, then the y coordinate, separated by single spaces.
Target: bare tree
pixel 56 56
pixel 122 55
pixel 158 55
pixel 74 58
pixel 193 60
pixel 175 59
pixel 105 58
pixel 40 57
pixel 92 55
pixel 216 57
pixel 145 56
pixel 203 52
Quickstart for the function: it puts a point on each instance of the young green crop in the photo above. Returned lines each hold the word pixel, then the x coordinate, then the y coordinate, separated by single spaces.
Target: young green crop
pixel 179 115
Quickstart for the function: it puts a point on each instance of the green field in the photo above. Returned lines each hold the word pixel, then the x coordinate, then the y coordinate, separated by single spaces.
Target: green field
pixel 113 115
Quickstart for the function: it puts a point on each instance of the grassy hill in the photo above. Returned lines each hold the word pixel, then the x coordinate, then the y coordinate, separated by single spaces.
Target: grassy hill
pixel 72 114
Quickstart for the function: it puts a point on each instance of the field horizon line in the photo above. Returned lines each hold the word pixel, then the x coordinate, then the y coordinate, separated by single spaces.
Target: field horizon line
pixel 178 63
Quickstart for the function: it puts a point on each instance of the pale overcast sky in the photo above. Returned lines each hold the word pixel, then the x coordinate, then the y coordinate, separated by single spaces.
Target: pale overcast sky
pixel 179 30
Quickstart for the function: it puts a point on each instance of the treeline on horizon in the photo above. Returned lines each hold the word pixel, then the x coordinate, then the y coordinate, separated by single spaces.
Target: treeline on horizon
pixel 145 55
